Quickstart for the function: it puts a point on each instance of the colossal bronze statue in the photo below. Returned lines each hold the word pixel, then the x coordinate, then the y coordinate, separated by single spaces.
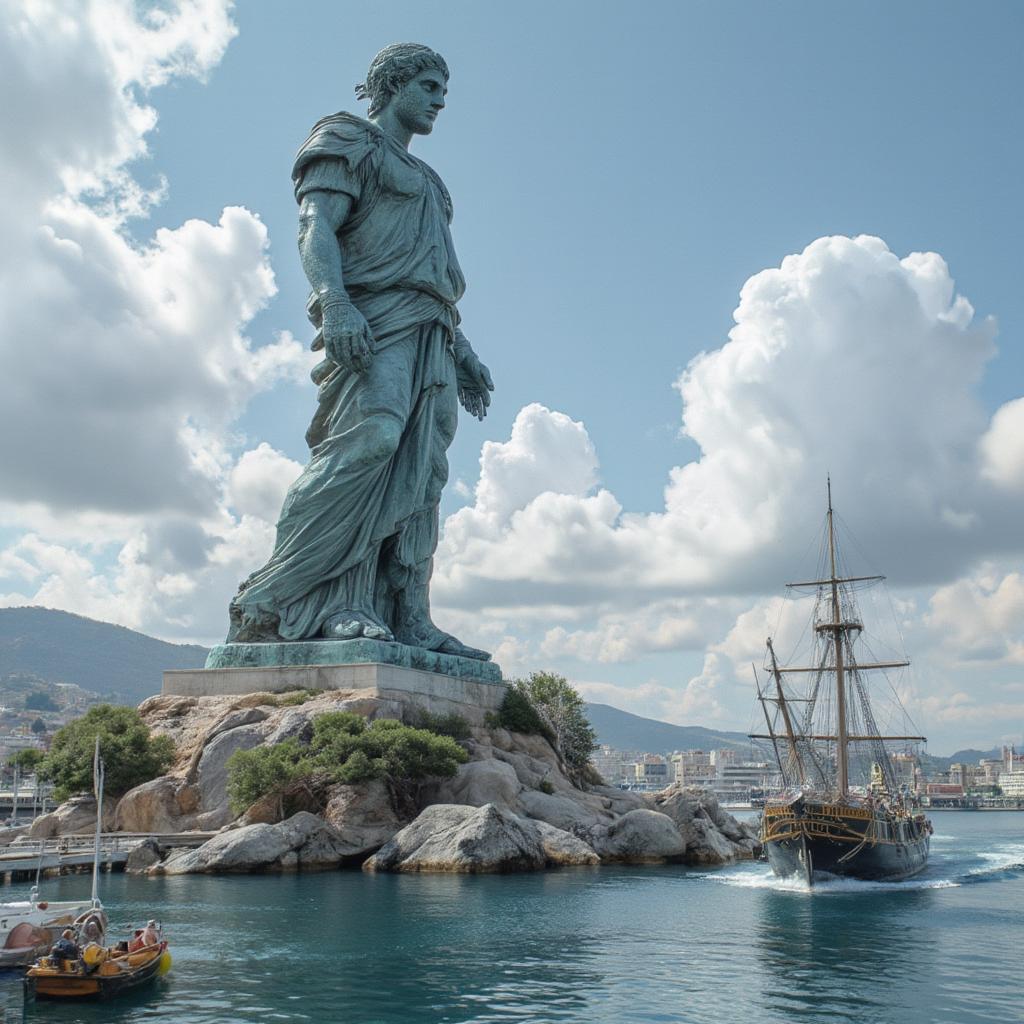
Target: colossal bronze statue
pixel 358 529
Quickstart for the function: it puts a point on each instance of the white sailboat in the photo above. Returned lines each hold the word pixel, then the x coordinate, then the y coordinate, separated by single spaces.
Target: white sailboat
pixel 29 927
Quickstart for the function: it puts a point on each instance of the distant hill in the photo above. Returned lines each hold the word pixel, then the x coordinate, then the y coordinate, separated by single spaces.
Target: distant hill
pixel 934 763
pixel 624 731
pixel 971 756
pixel 40 646
pixel 117 663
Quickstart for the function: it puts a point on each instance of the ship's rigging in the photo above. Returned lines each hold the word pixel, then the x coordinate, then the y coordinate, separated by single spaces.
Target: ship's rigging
pixel 820 732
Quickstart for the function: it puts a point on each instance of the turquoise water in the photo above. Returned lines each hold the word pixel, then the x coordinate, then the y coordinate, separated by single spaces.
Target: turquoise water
pixel 581 945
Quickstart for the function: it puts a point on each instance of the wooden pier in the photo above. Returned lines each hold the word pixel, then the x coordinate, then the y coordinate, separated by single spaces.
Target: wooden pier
pixel 20 861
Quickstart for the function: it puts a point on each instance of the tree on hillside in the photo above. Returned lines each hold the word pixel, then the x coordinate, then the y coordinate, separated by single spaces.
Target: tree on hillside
pixel 40 702
pixel 27 760
pixel 564 711
pixel 39 726
pixel 131 755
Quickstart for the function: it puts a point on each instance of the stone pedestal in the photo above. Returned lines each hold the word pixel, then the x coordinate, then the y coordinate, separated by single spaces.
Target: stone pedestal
pixel 350 652
pixel 439 683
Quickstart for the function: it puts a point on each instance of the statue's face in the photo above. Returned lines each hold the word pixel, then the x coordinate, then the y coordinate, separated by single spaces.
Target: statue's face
pixel 417 104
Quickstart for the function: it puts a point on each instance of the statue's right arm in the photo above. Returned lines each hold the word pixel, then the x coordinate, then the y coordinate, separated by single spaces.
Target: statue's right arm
pixel 347 338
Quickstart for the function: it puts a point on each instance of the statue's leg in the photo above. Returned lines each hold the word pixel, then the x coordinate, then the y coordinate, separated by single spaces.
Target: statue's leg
pixel 321 577
pixel 382 404
pixel 407 560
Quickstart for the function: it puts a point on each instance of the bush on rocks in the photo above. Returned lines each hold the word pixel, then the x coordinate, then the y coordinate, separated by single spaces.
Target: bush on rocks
pixel 130 753
pixel 451 724
pixel 344 749
pixel 548 705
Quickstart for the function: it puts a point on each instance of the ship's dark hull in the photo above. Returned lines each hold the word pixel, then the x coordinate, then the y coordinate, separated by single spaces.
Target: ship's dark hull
pixel 809 839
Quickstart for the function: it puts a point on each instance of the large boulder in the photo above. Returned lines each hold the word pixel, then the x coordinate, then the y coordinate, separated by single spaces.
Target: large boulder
pixel 529 770
pixel 562 848
pixel 466 840
pixel 147 854
pixel 706 845
pixel 211 777
pixel 166 804
pixel 477 783
pixel 619 801
pixel 294 724
pixel 640 837
pixel 363 816
pixel 563 811
pixel 76 816
pixel 303 841
pixel 712 835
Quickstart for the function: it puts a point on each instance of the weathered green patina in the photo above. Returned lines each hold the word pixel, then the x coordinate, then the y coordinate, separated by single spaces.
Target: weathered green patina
pixel 360 651
pixel 358 529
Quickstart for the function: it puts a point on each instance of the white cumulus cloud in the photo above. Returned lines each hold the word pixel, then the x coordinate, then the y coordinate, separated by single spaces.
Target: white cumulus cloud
pixel 125 362
pixel 845 360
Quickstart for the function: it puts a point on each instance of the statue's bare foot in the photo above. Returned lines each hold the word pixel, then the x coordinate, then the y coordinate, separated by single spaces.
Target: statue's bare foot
pixel 453 646
pixel 349 625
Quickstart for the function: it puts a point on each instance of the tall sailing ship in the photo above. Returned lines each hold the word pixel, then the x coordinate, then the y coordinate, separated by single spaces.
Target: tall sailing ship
pixel 818 823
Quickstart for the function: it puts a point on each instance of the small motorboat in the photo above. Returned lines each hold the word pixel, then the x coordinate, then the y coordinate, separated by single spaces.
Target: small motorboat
pixel 97 971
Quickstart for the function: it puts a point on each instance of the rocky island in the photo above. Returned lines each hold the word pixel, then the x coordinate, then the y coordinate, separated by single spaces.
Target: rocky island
pixel 511 806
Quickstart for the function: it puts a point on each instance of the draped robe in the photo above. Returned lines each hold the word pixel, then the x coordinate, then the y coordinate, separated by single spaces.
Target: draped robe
pixel 358 529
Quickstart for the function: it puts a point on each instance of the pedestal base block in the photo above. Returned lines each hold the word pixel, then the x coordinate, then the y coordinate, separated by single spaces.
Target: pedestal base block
pixel 439 683
pixel 350 652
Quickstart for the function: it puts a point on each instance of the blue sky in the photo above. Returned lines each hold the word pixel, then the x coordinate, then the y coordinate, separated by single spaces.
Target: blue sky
pixel 619 174
pixel 620 171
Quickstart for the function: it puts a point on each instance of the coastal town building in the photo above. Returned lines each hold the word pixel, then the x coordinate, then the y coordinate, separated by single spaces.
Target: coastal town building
pixel 735 780
pixel 1012 784
pixel 694 768
pixel 651 772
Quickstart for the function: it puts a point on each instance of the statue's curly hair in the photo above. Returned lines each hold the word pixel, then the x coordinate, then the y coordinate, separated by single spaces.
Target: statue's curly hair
pixel 392 68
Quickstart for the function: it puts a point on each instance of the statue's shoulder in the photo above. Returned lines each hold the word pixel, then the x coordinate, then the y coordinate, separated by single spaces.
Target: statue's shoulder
pixel 340 136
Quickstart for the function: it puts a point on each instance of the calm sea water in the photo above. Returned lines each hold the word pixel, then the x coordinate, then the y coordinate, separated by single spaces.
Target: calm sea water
pixel 581 945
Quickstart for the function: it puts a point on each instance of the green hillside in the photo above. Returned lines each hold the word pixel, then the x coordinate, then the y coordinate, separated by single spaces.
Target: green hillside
pixel 117 663
pixel 624 731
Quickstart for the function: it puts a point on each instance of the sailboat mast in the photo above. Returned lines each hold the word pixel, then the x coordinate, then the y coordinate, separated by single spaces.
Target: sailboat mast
pixel 763 700
pixel 837 639
pixel 794 752
pixel 98 772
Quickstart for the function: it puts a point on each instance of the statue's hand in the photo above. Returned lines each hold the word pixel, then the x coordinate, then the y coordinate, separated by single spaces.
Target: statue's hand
pixel 348 340
pixel 475 385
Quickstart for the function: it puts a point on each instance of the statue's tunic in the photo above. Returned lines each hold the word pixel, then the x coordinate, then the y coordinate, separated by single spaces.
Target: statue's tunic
pixel 359 527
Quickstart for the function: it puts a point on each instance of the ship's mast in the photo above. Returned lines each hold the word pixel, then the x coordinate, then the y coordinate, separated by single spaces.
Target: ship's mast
pixel 783 706
pixel 836 626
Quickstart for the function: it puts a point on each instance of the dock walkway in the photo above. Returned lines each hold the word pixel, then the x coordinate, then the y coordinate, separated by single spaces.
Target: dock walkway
pixel 71 853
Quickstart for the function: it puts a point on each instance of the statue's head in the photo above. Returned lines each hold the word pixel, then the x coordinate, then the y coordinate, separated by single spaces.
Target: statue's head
pixel 410 78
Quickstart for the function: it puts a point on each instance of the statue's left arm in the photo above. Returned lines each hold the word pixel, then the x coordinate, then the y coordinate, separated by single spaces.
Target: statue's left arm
pixel 474 379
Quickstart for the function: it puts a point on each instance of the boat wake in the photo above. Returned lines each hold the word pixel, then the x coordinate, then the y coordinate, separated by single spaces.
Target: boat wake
pixel 1007 859
pixel 946 872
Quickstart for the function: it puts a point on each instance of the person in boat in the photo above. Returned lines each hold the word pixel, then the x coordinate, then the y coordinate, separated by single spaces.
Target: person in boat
pixel 65 948
pixel 148 936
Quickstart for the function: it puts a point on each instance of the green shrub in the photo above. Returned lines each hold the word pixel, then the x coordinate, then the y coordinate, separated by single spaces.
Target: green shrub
pixel 130 754
pixel 546 787
pixel 451 724
pixel 344 748
pixel 517 713
pixel 254 773
pixel 290 698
